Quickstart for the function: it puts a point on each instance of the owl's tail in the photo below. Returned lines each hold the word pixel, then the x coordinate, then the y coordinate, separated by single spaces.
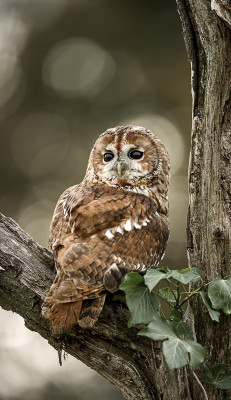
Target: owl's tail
pixel 61 315
pixel 66 305
pixel 64 315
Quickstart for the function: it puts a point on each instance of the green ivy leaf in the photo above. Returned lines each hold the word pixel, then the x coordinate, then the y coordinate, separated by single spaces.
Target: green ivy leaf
pixel 176 351
pixel 214 315
pixel 159 329
pixel 168 294
pixel 142 304
pixel 153 277
pixel 196 351
pixel 196 273
pixel 186 275
pixel 219 292
pixel 182 328
pixel 208 373
pixel 217 375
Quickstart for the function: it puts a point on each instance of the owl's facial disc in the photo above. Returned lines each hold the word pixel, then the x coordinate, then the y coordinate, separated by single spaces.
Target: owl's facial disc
pixel 123 165
pixel 130 157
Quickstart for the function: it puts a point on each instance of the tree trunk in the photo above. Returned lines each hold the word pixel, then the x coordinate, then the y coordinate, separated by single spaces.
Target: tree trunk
pixel 206 28
pixel 135 364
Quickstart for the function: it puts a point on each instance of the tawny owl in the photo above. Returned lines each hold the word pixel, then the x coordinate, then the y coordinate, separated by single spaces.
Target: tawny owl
pixel 114 222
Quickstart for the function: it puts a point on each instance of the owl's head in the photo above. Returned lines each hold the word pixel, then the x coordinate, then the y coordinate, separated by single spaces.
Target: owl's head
pixel 130 157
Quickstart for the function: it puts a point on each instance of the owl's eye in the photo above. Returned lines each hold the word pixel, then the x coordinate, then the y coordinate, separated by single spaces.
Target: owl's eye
pixel 108 157
pixel 135 154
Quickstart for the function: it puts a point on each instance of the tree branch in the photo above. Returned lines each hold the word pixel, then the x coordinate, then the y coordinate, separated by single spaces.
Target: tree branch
pixel 130 362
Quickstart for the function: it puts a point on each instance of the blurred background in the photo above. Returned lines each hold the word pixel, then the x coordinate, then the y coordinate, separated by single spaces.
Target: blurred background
pixel 68 71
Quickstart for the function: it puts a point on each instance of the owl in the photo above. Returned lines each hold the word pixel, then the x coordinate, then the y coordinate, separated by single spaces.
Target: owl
pixel 114 222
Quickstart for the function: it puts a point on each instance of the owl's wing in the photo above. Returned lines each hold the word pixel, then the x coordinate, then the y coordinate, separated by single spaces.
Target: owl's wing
pixel 70 200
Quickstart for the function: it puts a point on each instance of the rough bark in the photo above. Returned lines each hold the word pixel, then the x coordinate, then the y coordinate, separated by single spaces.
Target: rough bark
pixel 206 28
pixel 135 364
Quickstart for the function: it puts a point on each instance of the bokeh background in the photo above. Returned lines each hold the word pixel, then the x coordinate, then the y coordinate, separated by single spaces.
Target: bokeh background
pixel 68 71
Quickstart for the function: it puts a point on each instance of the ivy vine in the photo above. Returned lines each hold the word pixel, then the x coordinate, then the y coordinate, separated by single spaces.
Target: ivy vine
pixel 145 296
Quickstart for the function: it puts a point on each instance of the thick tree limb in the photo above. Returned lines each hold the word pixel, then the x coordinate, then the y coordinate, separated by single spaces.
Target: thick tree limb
pixel 132 363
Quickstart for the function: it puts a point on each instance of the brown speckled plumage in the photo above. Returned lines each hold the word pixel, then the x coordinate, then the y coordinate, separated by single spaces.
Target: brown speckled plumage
pixel 112 223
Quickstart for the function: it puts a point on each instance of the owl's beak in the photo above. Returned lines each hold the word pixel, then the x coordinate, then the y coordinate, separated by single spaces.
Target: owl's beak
pixel 120 168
